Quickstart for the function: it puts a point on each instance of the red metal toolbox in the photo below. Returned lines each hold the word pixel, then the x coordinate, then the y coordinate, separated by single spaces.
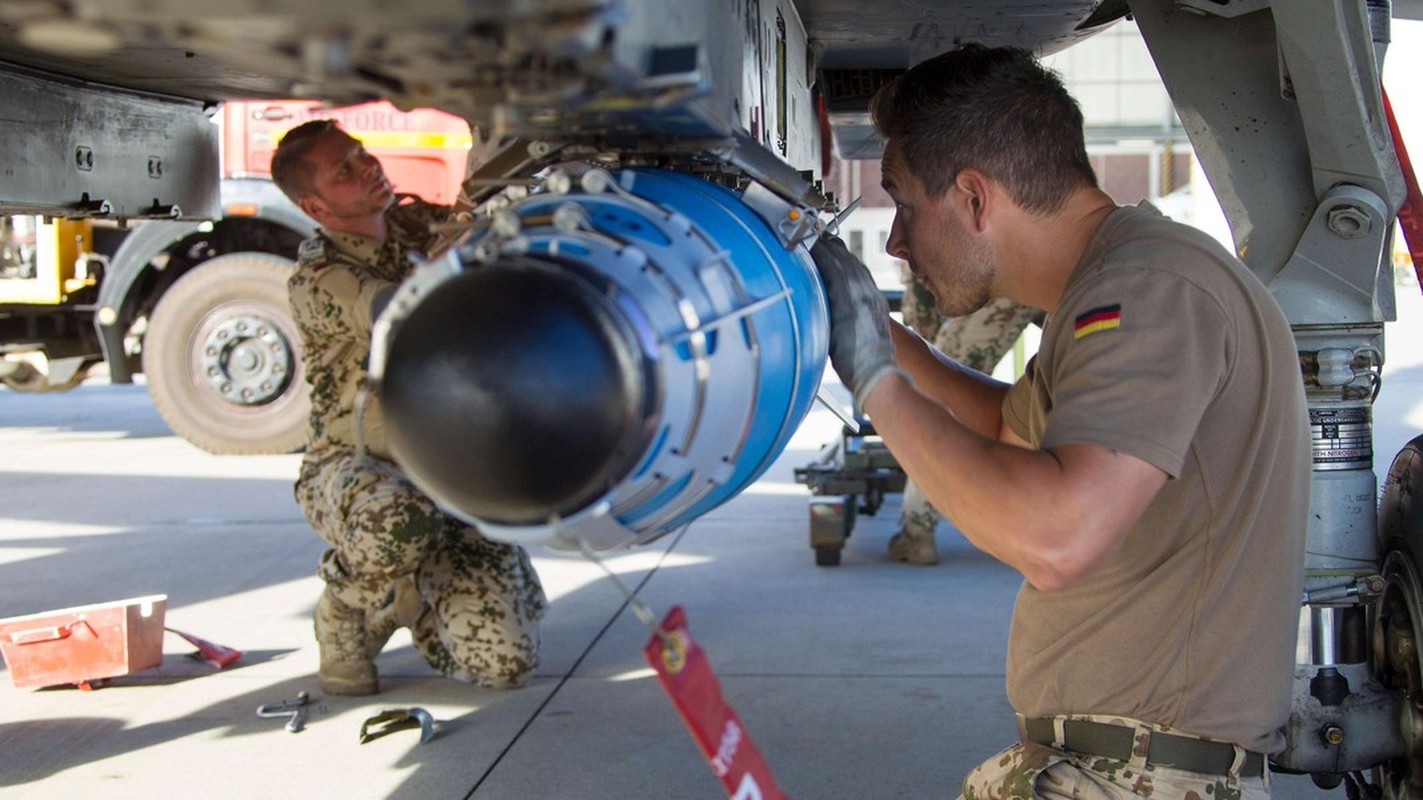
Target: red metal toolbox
pixel 84 643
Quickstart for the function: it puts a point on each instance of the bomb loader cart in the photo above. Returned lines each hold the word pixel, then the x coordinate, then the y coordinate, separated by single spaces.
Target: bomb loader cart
pixel 849 477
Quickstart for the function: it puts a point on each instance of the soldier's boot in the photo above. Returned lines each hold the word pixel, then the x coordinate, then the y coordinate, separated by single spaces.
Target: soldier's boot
pixel 347 667
pixel 405 606
pixel 914 546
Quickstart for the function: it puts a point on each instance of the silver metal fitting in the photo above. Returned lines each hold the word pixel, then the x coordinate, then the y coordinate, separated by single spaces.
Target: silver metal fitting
pixel 1348 222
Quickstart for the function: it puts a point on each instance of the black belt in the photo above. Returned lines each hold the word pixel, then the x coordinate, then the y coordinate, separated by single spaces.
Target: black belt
pixel 1166 750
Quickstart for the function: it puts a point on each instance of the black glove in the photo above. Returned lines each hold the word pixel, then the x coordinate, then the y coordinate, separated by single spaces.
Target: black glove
pixel 861 350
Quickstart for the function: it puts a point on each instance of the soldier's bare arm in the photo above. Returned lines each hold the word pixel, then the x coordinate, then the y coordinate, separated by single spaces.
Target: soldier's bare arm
pixel 972 397
pixel 1053 515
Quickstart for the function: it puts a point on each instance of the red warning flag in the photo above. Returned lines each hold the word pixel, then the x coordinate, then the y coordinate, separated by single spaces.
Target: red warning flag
pixel 685 673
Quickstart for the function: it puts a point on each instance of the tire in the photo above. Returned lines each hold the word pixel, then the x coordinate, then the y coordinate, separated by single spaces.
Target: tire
pixel 223 357
pixel 1397 658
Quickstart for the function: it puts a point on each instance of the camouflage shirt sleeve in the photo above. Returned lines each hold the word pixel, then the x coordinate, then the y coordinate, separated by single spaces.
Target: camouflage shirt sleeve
pixel 410 221
pixel 332 300
pixel 332 292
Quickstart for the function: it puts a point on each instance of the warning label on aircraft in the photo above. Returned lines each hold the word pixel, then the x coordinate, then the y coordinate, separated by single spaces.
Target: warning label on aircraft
pixel 1342 438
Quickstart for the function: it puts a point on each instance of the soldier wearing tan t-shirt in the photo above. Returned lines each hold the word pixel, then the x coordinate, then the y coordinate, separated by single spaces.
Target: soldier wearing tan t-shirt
pixel 396 559
pixel 1149 474
pixel 1166 348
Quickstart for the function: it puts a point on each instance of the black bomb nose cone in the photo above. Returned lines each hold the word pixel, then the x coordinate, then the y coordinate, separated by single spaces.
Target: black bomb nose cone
pixel 515 392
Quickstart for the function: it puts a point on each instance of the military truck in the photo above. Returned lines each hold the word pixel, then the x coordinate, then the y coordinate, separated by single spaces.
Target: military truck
pixel 200 308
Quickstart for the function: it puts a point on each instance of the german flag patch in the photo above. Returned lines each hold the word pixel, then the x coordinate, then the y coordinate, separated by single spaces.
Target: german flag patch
pixel 1101 318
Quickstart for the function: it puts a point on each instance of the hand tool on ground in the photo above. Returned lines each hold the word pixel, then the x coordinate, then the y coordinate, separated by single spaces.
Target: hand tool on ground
pixel 294 709
pixel 398 719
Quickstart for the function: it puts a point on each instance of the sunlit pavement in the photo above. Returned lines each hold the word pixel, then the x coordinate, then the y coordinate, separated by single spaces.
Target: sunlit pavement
pixel 866 680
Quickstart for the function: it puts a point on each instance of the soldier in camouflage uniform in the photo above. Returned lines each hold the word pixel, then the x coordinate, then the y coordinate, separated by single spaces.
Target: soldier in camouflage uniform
pixel 978 341
pixel 396 560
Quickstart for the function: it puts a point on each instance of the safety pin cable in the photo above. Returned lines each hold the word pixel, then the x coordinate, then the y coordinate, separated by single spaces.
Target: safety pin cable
pixel 638 607
pixel 833 227
pixel 829 401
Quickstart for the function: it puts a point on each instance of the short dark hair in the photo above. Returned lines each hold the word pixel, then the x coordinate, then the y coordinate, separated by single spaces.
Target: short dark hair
pixel 290 170
pixel 996 109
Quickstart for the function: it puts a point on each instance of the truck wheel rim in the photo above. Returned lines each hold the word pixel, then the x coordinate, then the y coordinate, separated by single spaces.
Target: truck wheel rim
pixel 246 360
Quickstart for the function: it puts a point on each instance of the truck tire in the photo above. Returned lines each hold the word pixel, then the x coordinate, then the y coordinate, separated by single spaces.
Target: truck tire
pixel 223 357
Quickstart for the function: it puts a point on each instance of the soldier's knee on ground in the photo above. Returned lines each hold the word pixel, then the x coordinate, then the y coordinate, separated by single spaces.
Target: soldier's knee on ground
pixel 491 655
pixel 500 678
pixel 485 602
pixel 512 678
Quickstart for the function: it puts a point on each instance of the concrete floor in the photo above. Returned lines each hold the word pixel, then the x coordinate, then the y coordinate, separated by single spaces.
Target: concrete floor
pixel 867 680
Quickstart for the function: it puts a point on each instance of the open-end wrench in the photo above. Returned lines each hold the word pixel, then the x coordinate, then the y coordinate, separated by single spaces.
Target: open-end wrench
pixel 294 709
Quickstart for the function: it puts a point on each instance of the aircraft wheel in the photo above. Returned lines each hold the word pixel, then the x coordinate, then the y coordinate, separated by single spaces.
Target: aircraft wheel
pixel 1397 638
pixel 1398 631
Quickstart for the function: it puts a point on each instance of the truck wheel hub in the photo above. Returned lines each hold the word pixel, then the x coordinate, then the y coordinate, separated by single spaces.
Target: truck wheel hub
pixel 246 360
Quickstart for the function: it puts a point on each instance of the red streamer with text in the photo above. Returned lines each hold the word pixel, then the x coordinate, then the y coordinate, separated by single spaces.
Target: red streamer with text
pixel 685 673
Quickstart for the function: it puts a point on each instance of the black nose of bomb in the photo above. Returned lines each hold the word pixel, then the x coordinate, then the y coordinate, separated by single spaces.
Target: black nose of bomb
pixel 516 393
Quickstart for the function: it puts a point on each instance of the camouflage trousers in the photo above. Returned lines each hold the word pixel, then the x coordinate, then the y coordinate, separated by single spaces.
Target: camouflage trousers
pixel 1029 770
pixel 482 599
pixel 978 341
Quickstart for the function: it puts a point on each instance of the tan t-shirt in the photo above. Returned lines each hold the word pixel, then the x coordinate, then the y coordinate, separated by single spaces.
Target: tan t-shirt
pixel 336 280
pixel 1167 348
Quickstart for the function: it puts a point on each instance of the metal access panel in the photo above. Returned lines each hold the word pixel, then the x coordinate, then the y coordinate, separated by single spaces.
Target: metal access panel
pixel 73 149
